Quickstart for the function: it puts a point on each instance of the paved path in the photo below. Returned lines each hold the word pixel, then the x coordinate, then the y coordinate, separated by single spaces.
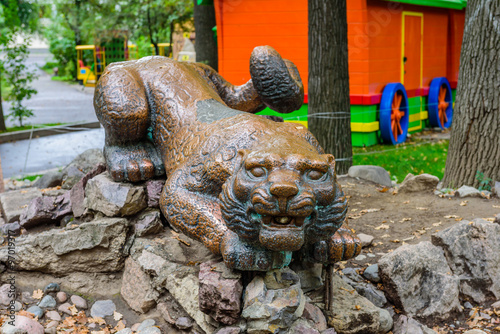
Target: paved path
pixel 56 102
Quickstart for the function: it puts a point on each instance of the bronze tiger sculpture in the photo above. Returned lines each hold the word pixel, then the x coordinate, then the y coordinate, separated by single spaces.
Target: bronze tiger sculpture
pixel 252 190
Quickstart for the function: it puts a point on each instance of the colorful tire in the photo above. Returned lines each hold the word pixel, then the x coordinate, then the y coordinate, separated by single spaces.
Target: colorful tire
pixel 394 114
pixel 440 103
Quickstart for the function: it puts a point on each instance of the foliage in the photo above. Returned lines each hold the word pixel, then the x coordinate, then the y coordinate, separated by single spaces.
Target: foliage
pixel 414 156
pixel 484 182
pixel 17 14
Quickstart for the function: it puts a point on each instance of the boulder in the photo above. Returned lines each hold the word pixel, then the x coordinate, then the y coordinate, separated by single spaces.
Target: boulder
pixel 83 163
pixel 14 202
pixel 315 316
pixel 418 280
pixel 473 253
pixel 77 193
pixel 419 183
pixel 153 189
pixel 408 325
pixel 136 288
pixel 374 174
pixel 273 303
pixel 147 223
pixel 95 246
pixel 302 326
pixel 353 314
pixel 466 191
pixel 114 198
pixel 220 292
pixel 48 180
pixel 45 209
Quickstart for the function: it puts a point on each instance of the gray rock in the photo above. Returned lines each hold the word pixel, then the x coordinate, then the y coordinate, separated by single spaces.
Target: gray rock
pixel 153 189
pixel 496 304
pixel 114 198
pixel 228 330
pixel 52 287
pixel 180 280
pixel 466 191
pixel 26 298
pixel 385 321
pixel 352 275
pixel 17 306
pixel 14 202
pixel 79 302
pixel 366 290
pixel 53 315
pixel 150 330
pixel 473 252
pixel 315 316
pixel 23 325
pixel 366 240
pixel 371 273
pixel 408 325
pixel 375 174
pixel 145 324
pixel 497 219
pixel 83 163
pixel 125 331
pixel 352 313
pixel 12 229
pixel 6 291
pixel 419 183
pixel 96 246
pixel 468 305
pixel 61 297
pixel 310 274
pixel 220 292
pixel 49 180
pixel 302 326
pixel 103 308
pixel 495 190
pixel 37 311
pixel 360 257
pixel 419 281
pixel 475 331
pixel 45 209
pixel 273 303
pixel 329 331
pixel 77 193
pixel 136 288
pixel 64 308
pixel 47 302
pixel 183 323
pixel 147 223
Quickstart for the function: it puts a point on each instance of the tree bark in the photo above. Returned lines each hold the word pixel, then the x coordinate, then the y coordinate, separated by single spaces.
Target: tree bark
pixel 2 118
pixel 329 114
pixel 475 135
pixel 206 45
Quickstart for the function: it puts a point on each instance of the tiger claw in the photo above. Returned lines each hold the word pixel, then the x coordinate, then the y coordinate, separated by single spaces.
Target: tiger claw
pixel 342 246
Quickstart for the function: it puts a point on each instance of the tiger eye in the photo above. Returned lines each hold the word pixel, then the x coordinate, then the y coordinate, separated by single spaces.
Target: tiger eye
pixel 315 175
pixel 258 171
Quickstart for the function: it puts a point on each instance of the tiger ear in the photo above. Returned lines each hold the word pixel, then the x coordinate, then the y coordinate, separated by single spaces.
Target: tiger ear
pixel 331 160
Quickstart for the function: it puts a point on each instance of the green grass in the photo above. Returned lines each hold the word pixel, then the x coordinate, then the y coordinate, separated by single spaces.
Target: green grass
pixel 28 127
pixel 30 177
pixel 67 78
pixel 415 156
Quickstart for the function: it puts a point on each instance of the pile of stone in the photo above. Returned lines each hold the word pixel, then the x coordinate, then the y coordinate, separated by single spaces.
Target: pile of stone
pixel 100 238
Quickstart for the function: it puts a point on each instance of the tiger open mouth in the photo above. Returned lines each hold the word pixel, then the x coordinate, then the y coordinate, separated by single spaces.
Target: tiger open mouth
pixel 279 222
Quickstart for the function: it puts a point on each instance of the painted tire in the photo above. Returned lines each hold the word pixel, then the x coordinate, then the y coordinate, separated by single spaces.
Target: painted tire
pixel 394 114
pixel 440 103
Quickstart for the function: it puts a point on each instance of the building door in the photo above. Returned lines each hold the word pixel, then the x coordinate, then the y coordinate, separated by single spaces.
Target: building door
pixel 412 47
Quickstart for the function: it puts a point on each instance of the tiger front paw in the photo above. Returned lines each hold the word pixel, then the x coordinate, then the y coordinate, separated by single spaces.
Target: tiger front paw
pixel 342 246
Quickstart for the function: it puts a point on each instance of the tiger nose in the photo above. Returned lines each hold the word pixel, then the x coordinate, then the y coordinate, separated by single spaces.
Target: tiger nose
pixel 283 189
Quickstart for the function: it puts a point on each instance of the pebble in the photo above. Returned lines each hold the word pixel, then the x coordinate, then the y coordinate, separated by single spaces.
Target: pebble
pixel 51 324
pixel 36 310
pixel 371 273
pixel 61 297
pixel 53 315
pixel 125 331
pixel 27 298
pixel 475 331
pixel 52 287
pixel 145 324
pixel 79 302
pixel 468 305
pixel 329 331
pixel 360 257
pixel 64 308
pixel 2 240
pixel 366 239
pixel 102 308
pixel 150 330
pixel 4 294
pixel 135 326
pixel 496 305
pixel 17 306
pixel 52 330
pixel 183 323
pixel 47 302
pixel 370 255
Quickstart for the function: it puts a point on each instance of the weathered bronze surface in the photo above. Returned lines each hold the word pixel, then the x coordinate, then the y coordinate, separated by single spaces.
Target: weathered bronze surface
pixel 250 189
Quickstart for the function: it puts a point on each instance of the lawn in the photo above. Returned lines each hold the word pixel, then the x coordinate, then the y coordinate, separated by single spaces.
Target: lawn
pixel 28 127
pixel 415 156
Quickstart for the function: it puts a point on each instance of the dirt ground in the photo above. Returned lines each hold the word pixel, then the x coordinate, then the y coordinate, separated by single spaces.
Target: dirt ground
pixel 394 219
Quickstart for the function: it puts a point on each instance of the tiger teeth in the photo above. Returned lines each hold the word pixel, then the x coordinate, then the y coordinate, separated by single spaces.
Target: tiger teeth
pixel 282 220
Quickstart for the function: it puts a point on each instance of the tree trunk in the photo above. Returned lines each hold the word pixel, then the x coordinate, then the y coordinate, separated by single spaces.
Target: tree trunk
pixel 2 119
pixel 475 135
pixel 329 107
pixel 206 45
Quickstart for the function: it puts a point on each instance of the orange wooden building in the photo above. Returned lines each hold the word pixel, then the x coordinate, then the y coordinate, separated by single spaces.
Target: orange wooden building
pixel 413 43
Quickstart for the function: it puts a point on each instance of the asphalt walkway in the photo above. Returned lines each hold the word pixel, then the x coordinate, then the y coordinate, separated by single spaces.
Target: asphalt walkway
pixel 56 102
